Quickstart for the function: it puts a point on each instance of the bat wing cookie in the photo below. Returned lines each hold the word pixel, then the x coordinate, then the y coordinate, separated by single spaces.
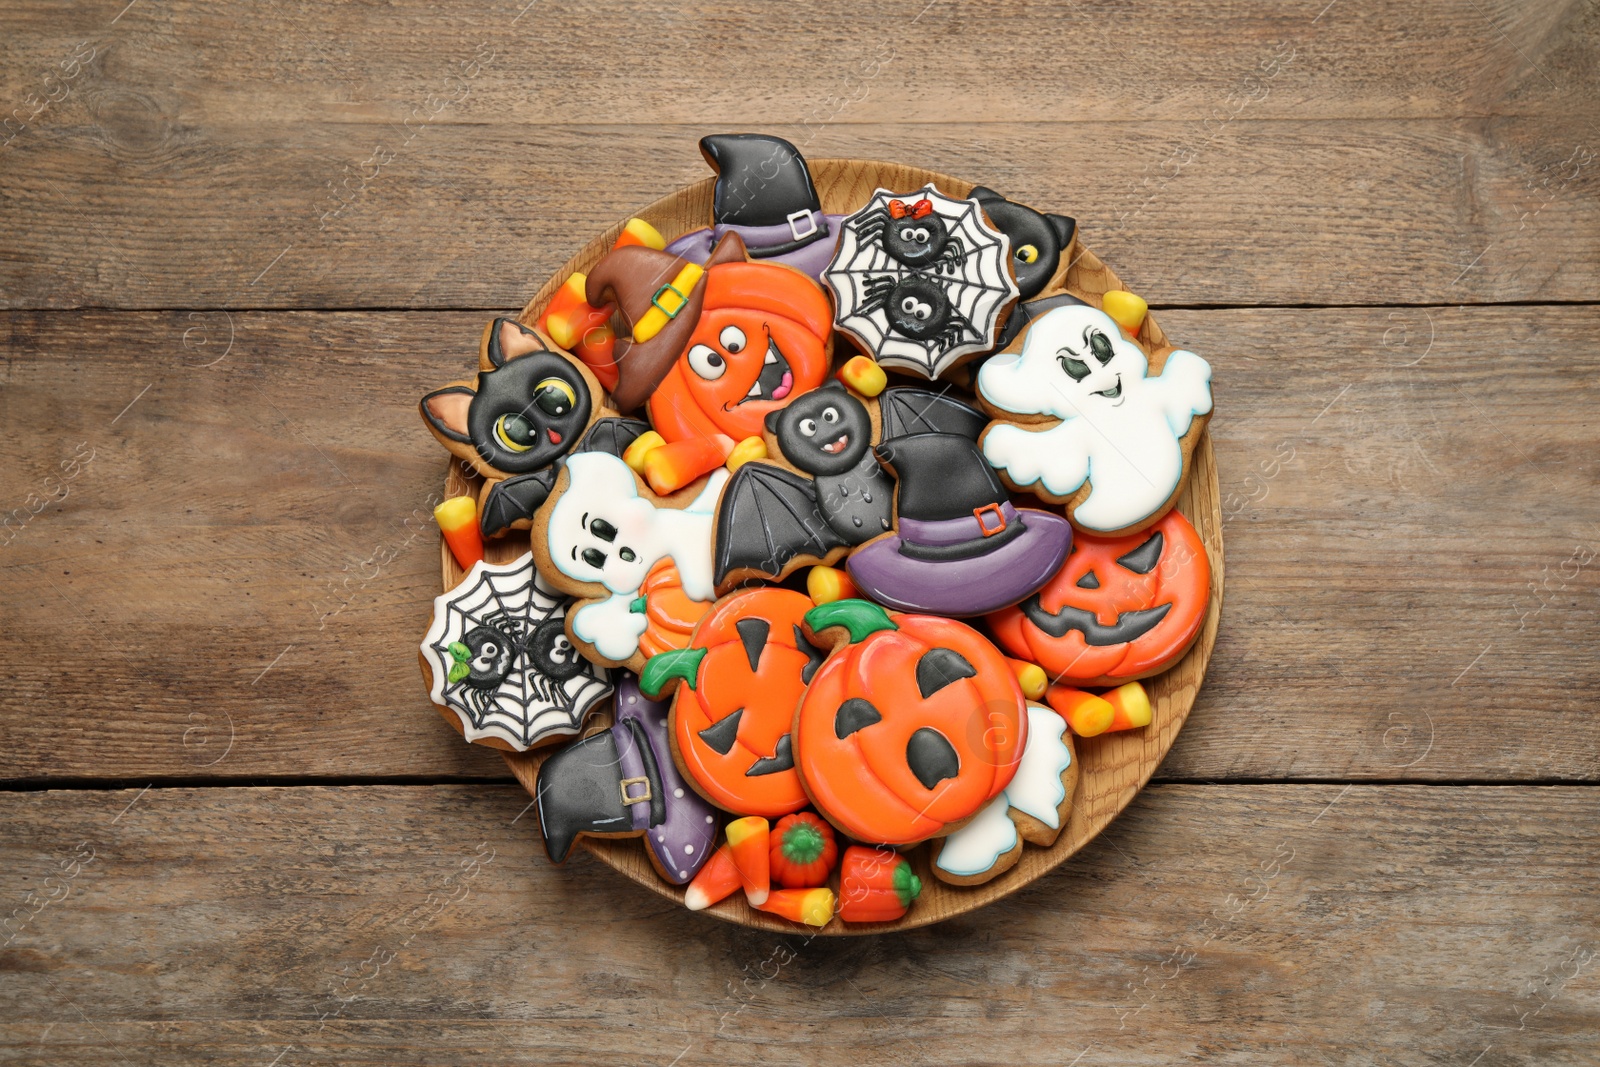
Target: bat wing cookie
pixel 1081 420
pixel 601 534
pixel 830 493
pixel 1034 808
pixel 528 407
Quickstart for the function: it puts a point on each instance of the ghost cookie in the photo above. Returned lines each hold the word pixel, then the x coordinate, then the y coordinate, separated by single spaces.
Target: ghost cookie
pixel 499 664
pixel 1034 808
pixel 1081 420
pixel 599 537
pixel 910 727
pixel 529 406
pixel 822 491
pixel 921 281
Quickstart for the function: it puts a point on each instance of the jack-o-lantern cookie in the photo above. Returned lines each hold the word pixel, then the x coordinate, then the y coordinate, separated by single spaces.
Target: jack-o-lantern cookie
pixel 922 281
pixel 529 406
pixel 821 491
pixel 1034 808
pixel 600 535
pixel 737 686
pixel 1082 421
pixel 1120 608
pixel 911 725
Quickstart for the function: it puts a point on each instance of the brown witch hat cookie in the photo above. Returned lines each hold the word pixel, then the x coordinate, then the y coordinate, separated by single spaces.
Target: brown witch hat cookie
pixel 660 295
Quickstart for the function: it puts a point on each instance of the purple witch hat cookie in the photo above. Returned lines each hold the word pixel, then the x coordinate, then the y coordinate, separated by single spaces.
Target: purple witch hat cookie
pixel 622 782
pixel 959 546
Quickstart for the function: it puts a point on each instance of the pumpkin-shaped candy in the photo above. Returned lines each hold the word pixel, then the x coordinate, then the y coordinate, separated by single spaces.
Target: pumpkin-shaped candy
pixel 911 725
pixel 1120 608
pixel 738 683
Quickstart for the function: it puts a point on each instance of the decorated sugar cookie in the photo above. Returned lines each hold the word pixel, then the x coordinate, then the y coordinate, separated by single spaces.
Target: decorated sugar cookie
pixel 737 685
pixel 921 280
pixel 599 537
pixel 1034 808
pixel 498 661
pixel 621 782
pixel 1040 242
pixel 822 491
pixel 529 406
pixel 958 546
pixel 1081 421
pixel 911 725
pixel 765 195
pixel 1120 608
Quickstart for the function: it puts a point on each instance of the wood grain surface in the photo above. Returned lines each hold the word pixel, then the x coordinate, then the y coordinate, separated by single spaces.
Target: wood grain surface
pixel 237 242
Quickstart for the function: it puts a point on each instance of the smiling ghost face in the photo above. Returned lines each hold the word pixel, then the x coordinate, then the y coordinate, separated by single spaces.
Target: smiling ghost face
pixel 601 530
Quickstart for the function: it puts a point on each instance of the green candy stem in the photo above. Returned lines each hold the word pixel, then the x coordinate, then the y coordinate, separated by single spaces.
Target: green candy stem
pixel 860 618
pixel 802 843
pixel 662 667
pixel 907 886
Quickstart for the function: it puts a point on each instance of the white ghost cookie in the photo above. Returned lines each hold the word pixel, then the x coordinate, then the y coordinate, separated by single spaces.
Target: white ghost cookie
pixel 1082 421
pixel 600 534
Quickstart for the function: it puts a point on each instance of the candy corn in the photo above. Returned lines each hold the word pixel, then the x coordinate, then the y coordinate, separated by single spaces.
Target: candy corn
pixel 864 376
pixel 1125 308
pixel 458 521
pixel 598 350
pixel 1031 677
pixel 745 451
pixel 639 232
pixel 716 881
pixel 814 907
pixel 1131 707
pixel 750 841
pixel 642 446
pixel 677 463
pixel 826 584
pixel 1086 713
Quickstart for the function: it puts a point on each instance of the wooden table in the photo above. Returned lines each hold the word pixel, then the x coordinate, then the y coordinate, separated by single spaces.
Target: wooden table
pixel 238 241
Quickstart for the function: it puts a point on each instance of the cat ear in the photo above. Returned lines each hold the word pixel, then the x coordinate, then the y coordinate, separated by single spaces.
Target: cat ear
pixel 1064 228
pixel 983 194
pixel 446 412
pixel 505 339
pixel 772 419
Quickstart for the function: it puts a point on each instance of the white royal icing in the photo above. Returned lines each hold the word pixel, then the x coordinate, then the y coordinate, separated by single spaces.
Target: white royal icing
pixel 1036 790
pixel 1125 445
pixel 603 488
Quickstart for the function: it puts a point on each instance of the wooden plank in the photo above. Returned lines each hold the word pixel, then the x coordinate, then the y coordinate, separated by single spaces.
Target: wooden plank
pixel 1247 212
pixel 246 549
pixel 1281 924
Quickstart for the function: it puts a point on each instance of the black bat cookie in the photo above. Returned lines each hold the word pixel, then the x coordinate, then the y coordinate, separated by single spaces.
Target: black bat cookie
pixel 772 519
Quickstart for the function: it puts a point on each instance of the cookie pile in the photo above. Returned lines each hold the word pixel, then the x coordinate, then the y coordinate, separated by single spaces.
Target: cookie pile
pixel 840 528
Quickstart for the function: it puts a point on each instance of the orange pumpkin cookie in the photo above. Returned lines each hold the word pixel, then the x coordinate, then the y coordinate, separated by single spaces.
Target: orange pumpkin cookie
pixel 738 683
pixel 1119 608
pixel 911 725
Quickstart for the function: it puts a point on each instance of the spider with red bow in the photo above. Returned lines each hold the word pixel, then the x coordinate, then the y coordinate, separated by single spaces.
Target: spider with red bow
pixel 915 235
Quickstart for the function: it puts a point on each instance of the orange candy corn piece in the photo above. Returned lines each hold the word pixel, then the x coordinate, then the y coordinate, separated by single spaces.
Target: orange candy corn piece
pixel 1031 677
pixel 750 840
pixel 826 584
pixel 458 521
pixel 864 376
pixel 675 464
pixel 716 881
pixel 639 232
pixel 814 907
pixel 1087 714
pixel 1130 706
pixel 598 350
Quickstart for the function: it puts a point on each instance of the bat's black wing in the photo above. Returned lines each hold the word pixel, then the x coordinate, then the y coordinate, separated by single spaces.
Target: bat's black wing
pixel 907 410
pixel 766 518
pixel 613 435
pixel 515 500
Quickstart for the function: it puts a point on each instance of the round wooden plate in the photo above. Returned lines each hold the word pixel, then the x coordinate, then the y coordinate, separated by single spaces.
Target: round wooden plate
pixel 1112 767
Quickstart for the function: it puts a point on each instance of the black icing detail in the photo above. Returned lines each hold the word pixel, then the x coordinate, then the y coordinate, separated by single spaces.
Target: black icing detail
pixel 552 651
pixel 753 635
pixel 781 760
pixel 612 435
pixel 579 789
pixel 603 530
pixel 806 451
pixel 907 410
pixel 1088 581
pixel 978 546
pixel 647 756
pixel 480 640
pixel 720 735
pixel 938 668
pixel 814 655
pixel 760 180
pixel 1143 559
pixel 941 476
pixel 1129 626
pixel 1049 235
pixel 515 500
pixel 931 758
pixel 852 715
pixel 767 517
